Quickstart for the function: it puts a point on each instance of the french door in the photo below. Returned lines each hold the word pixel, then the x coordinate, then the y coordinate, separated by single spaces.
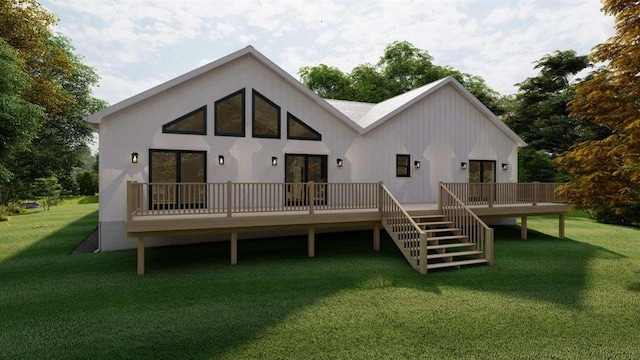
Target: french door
pixel 177 166
pixel 302 168
pixel 481 171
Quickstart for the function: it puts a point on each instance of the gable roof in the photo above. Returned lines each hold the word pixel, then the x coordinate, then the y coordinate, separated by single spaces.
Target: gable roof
pixel 249 50
pixel 369 116
pixel 361 117
pixel 355 110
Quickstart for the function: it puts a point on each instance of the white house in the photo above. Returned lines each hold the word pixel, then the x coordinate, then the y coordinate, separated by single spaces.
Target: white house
pixel 243 119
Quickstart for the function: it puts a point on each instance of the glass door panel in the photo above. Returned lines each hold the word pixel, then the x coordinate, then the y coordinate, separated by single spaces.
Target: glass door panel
pixel 295 172
pixel 173 167
pixel 302 168
pixel 481 171
pixel 192 170
pixel 317 172
pixel 164 169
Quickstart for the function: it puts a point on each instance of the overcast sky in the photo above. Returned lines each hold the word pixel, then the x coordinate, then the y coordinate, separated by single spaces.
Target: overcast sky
pixel 136 44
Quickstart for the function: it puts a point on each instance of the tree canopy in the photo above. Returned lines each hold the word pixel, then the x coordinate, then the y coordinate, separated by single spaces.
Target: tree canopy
pixel 53 79
pixel 19 119
pixel 606 172
pixel 540 113
pixel 402 67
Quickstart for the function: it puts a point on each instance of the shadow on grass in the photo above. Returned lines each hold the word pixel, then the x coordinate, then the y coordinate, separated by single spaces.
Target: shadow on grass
pixel 193 303
pixel 190 302
pixel 541 268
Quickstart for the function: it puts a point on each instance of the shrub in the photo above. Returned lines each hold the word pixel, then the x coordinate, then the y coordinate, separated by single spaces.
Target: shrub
pixel 16 208
pixel 4 213
pixel 48 191
pixel 87 182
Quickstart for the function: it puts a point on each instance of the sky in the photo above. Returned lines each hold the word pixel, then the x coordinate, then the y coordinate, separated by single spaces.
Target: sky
pixel 137 44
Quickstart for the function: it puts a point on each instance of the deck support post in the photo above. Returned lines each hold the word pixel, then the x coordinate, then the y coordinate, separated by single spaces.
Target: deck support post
pixel 311 242
pixel 376 237
pixel 561 226
pixel 523 228
pixel 141 255
pixel 423 254
pixel 234 247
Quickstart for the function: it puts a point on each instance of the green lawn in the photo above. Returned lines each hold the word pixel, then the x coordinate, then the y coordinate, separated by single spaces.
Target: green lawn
pixel 545 298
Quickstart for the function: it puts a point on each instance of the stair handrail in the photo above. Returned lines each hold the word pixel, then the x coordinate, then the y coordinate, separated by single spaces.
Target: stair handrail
pixel 488 231
pixel 422 240
pixel 404 212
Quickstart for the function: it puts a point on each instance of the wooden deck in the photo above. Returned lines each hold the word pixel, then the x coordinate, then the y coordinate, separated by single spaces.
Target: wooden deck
pixel 425 233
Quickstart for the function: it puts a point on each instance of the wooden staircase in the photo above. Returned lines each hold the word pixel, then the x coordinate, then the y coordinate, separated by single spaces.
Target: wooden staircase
pixel 451 237
pixel 446 245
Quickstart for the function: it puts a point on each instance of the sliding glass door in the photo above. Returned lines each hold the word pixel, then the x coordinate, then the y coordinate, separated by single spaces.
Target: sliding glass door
pixel 481 171
pixel 177 166
pixel 302 168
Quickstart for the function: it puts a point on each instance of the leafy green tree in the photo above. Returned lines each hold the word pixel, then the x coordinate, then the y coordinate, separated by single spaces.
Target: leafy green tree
pixel 19 119
pixel 48 191
pixel 326 81
pixel 87 182
pixel 402 67
pixel 61 84
pixel 540 114
pixel 537 165
pixel 606 172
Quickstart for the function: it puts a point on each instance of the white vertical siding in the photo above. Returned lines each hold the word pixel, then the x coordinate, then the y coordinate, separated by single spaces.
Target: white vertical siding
pixel 441 131
pixel 139 128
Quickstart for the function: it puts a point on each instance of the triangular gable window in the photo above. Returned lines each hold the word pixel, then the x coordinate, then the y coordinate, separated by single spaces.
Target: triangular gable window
pixel 298 130
pixel 193 123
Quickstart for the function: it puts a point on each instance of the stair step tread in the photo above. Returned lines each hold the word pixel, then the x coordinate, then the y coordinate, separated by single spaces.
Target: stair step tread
pixel 444 230
pixel 451 237
pixel 446 246
pixel 455 253
pixel 456 263
pixel 428 216
pixel 435 223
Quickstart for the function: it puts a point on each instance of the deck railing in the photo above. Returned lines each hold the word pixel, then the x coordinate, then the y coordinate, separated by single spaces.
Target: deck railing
pixel 404 231
pixel 491 194
pixel 232 198
pixel 478 232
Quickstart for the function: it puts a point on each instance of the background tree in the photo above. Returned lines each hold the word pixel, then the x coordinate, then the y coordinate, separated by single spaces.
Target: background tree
pixel 48 191
pixel 402 67
pixel 606 172
pixel 541 116
pixel 60 84
pixel 87 182
pixel 19 119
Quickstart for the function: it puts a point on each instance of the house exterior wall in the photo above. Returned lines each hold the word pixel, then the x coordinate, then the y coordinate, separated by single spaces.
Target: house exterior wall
pixel 139 128
pixel 440 131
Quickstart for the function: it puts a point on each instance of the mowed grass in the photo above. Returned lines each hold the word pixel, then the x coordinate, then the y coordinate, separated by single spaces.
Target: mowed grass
pixel 575 298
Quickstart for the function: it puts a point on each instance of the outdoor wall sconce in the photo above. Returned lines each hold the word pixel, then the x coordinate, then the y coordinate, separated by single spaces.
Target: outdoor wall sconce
pixel 416 164
pixel 463 165
pixel 220 160
pixel 274 161
pixel 505 166
pixel 134 158
pixel 339 162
